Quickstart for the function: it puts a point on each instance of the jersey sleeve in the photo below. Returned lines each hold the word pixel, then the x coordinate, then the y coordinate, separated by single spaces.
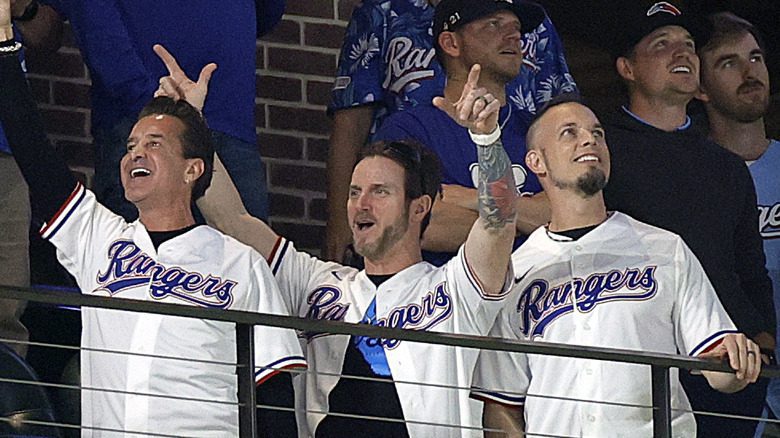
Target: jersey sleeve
pixel 80 229
pixel 403 125
pixel 700 320
pixel 479 307
pixel 361 64
pixel 502 376
pixel 296 273
pixel 276 349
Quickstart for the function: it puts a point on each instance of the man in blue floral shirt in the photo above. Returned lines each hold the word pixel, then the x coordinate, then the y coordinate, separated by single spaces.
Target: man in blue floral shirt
pixel 388 64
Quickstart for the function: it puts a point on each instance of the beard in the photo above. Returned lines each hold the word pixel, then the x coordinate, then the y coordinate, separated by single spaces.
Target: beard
pixel 745 111
pixel 390 235
pixel 587 185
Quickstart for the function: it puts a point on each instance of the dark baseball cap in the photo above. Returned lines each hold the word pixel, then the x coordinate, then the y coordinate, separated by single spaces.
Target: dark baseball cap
pixel 638 19
pixel 452 14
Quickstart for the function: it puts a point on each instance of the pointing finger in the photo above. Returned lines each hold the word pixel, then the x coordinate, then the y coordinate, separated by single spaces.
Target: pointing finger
pixel 473 77
pixel 205 73
pixel 167 59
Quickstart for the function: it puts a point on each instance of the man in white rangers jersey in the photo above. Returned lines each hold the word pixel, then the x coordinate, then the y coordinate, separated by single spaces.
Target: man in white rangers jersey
pixel 392 190
pixel 600 279
pixel 148 373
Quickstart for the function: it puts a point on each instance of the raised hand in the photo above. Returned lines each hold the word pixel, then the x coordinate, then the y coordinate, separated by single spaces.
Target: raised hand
pixel 476 109
pixel 178 86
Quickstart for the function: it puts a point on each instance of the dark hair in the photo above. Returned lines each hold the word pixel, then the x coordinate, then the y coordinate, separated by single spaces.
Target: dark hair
pixel 724 27
pixel 195 137
pixel 571 97
pixel 422 168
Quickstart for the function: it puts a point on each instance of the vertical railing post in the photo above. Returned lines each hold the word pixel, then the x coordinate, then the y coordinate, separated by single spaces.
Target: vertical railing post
pixel 662 402
pixel 245 353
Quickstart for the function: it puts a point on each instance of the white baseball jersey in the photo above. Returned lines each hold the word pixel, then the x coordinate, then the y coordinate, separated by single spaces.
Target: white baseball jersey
pixel 625 285
pixel 201 267
pixel 421 297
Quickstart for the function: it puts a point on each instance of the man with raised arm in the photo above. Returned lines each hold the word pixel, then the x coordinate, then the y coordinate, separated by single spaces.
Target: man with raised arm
pixel 148 373
pixel 597 278
pixel 393 187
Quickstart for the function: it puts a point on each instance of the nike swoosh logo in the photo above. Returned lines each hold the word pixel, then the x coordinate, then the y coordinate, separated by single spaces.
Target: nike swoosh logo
pixel 522 277
pixel 335 274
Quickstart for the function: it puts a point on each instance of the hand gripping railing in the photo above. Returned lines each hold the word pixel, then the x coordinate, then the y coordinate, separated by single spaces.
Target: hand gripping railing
pixel 659 363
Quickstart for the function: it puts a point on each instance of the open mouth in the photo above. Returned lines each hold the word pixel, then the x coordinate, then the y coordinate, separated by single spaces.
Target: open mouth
pixel 681 69
pixel 363 225
pixel 140 172
pixel 587 158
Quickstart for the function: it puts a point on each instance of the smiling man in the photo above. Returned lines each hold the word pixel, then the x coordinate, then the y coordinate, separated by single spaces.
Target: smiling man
pixel 386 387
pixel 597 278
pixel 148 373
pixel 667 174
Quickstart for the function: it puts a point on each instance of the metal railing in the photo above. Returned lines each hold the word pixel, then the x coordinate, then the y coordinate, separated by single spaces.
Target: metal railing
pixel 659 364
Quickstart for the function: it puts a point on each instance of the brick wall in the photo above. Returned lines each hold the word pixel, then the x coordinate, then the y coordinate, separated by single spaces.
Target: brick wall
pixel 295 67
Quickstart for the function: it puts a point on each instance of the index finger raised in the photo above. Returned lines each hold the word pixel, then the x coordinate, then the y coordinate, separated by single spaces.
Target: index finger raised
pixel 167 59
pixel 473 78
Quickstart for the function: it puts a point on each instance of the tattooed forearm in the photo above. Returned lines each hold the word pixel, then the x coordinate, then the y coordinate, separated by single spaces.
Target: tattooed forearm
pixel 496 189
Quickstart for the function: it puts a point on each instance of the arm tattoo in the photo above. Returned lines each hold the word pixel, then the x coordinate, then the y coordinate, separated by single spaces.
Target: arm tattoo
pixel 496 189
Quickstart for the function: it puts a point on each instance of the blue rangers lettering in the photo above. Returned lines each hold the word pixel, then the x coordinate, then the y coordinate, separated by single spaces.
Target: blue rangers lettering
pixel 130 267
pixel 324 303
pixel 434 307
pixel 540 304
pixel 769 221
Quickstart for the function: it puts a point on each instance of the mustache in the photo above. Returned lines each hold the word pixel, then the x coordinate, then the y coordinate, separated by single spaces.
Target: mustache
pixel 750 85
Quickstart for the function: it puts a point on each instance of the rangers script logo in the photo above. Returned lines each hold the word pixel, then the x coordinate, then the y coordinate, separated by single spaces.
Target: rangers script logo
pixel 769 221
pixel 130 267
pixel 406 63
pixel 435 307
pixel 539 304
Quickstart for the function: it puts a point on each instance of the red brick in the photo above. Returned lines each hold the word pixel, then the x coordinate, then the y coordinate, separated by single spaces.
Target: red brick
pixel 306 237
pixel 318 93
pixel 285 32
pixel 280 146
pixel 324 35
pixel 56 64
pixel 345 9
pixel 41 90
pixel 260 57
pixel 307 120
pixel 68 40
pixel 301 61
pixel 77 153
pixel 273 87
pixel 69 94
pixel 281 205
pixel 317 149
pixel 318 209
pixel 297 177
pixel 64 122
pixel 310 8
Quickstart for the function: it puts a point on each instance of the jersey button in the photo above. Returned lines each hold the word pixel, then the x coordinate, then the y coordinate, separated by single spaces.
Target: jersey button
pixel 591 418
pixel 578 248
pixel 589 372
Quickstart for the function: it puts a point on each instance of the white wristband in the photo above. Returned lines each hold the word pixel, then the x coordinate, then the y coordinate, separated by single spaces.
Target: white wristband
pixel 486 139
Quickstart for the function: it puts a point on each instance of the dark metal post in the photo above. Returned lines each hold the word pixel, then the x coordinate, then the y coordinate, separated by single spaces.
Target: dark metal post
pixel 245 353
pixel 662 402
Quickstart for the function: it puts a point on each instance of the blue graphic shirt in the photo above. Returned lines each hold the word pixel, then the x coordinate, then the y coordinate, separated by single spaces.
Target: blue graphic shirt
pixel 767 181
pixel 458 154
pixel 388 58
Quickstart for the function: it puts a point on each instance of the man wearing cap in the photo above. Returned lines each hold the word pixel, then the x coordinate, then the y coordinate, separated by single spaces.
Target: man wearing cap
pixel 468 32
pixel 668 175
pixel 388 64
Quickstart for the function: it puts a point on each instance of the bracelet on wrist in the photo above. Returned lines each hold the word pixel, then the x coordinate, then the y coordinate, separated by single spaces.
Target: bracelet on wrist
pixel 486 139
pixel 29 12
pixel 9 49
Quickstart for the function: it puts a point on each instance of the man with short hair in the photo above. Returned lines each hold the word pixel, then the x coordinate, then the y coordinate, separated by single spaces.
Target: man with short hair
pixel 394 185
pixel 147 373
pixel 388 64
pixel 469 32
pixel 735 93
pixel 666 174
pixel 597 278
